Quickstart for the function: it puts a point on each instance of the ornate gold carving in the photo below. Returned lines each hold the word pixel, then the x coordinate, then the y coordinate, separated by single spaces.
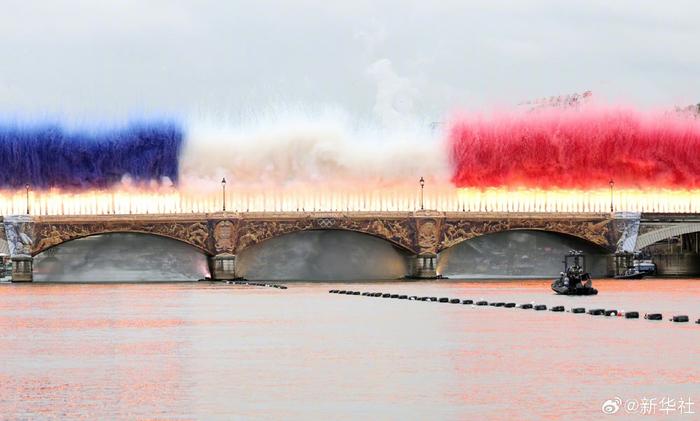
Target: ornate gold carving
pixel 456 231
pixel 396 231
pixel 224 235
pixel 428 236
pixel 195 233
pixel 254 232
pixel 417 234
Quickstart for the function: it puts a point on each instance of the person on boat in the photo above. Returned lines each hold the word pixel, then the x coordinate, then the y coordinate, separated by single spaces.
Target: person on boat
pixel 575 277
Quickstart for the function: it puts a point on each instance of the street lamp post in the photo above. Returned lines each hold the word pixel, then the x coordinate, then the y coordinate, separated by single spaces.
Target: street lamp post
pixel 422 185
pixel 223 190
pixel 26 187
pixel 612 184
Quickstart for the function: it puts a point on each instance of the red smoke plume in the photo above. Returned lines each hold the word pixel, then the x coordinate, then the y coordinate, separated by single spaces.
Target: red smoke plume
pixel 576 149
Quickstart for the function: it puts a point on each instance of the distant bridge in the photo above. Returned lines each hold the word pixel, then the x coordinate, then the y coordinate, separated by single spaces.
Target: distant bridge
pixel 657 227
pixel 421 235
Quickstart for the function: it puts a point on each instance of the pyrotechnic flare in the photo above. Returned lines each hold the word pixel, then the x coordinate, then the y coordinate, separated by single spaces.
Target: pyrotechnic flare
pixel 48 156
pixel 576 149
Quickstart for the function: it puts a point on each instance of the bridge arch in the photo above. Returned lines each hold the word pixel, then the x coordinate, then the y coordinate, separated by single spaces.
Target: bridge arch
pixel 323 254
pixel 44 247
pixel 649 238
pixel 397 232
pixel 248 244
pixel 527 253
pixel 47 235
pixel 593 234
pixel 121 257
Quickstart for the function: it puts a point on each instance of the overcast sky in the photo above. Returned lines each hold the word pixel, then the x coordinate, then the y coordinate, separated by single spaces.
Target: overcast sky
pixel 413 58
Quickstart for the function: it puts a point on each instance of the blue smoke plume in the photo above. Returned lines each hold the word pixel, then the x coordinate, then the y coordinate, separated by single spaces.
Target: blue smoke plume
pixel 49 155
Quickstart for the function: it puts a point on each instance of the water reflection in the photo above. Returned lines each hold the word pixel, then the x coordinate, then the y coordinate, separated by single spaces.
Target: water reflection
pixel 211 351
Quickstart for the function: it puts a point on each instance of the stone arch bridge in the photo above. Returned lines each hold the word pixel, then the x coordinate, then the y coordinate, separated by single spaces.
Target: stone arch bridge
pixel 420 235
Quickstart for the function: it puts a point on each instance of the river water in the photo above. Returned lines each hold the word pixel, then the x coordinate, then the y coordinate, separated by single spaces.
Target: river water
pixel 215 351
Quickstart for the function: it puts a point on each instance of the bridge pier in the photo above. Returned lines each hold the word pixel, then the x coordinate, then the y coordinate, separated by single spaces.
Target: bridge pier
pixel 22 267
pixel 223 266
pixel 422 266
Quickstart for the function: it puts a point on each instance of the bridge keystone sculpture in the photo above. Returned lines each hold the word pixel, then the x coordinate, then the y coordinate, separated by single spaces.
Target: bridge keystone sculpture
pixel 420 235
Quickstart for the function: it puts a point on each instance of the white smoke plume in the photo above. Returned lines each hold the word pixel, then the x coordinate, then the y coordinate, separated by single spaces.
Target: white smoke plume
pixel 299 148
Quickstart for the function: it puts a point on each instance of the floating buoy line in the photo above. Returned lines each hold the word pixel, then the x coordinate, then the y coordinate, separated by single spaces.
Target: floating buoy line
pixel 256 284
pixel 681 318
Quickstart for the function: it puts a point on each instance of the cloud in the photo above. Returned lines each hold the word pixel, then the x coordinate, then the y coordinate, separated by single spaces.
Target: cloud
pixel 82 57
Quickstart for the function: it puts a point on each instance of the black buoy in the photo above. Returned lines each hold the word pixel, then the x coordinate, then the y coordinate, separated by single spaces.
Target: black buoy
pixel 631 315
pixel 403 297
pixel 578 310
pixel 433 299
pixel 611 312
pixel 557 308
pixel 500 304
pixel 423 299
pixel 394 295
pixel 654 316
pixel 365 294
pixel 455 301
pixel 356 293
pixel 333 291
pixel 680 319
pixel 540 307
pixel 443 300
pixel 342 291
pixel 509 305
pixel 697 321
pixel 467 301
pixel 596 312
pixel 386 295
pixel 413 297
pixel 492 304
pixel 525 306
pixel 482 303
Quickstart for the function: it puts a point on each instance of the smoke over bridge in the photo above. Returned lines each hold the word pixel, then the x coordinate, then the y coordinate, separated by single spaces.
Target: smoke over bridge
pixel 545 161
